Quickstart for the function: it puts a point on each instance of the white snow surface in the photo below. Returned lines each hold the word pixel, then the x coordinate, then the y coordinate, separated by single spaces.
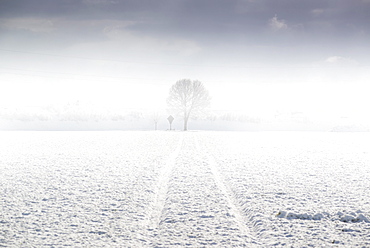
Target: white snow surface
pixel 184 189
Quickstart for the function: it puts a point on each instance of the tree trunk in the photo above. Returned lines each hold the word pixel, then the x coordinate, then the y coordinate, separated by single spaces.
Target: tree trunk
pixel 186 123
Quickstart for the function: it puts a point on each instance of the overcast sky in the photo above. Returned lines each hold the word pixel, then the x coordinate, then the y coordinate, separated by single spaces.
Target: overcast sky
pixel 255 56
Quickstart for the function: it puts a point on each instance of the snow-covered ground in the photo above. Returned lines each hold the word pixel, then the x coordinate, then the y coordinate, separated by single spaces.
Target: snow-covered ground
pixel 179 189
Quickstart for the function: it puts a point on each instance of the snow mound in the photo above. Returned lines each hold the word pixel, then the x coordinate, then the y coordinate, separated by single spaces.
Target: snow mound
pixel 353 218
pixel 304 216
pixel 349 217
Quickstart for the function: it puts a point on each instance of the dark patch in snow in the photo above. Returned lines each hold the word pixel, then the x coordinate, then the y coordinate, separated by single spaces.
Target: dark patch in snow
pixel 348 218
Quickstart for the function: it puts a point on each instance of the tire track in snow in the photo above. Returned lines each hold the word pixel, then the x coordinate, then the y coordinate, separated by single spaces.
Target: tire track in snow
pixel 242 218
pixel 196 212
pixel 164 178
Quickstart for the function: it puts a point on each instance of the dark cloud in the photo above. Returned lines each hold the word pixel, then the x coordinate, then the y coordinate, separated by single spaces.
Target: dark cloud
pixel 39 8
pixel 201 16
pixel 308 23
pixel 331 25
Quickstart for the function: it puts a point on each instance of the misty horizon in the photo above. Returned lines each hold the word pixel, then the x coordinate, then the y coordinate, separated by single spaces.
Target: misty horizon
pixel 184 123
pixel 103 61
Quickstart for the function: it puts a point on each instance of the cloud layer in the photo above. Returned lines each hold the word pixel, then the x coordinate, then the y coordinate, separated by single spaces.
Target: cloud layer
pixel 254 55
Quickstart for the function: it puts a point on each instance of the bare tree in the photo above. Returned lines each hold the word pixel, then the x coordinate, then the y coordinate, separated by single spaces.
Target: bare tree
pixel 188 98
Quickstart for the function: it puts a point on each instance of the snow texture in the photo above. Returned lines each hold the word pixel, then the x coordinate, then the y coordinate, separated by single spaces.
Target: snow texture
pixel 184 189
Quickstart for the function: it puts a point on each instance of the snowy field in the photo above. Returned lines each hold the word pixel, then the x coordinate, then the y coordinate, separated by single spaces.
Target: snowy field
pixel 184 189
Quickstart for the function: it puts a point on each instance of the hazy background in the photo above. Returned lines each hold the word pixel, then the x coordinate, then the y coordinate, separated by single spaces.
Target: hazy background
pixel 109 64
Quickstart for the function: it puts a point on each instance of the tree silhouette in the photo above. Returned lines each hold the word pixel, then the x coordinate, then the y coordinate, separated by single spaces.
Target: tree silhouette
pixel 188 97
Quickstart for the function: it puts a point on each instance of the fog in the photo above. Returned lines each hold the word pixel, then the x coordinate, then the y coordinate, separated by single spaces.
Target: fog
pixel 107 65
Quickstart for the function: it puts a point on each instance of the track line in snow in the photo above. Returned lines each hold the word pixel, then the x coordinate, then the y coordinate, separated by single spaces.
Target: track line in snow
pixel 239 217
pixel 164 178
